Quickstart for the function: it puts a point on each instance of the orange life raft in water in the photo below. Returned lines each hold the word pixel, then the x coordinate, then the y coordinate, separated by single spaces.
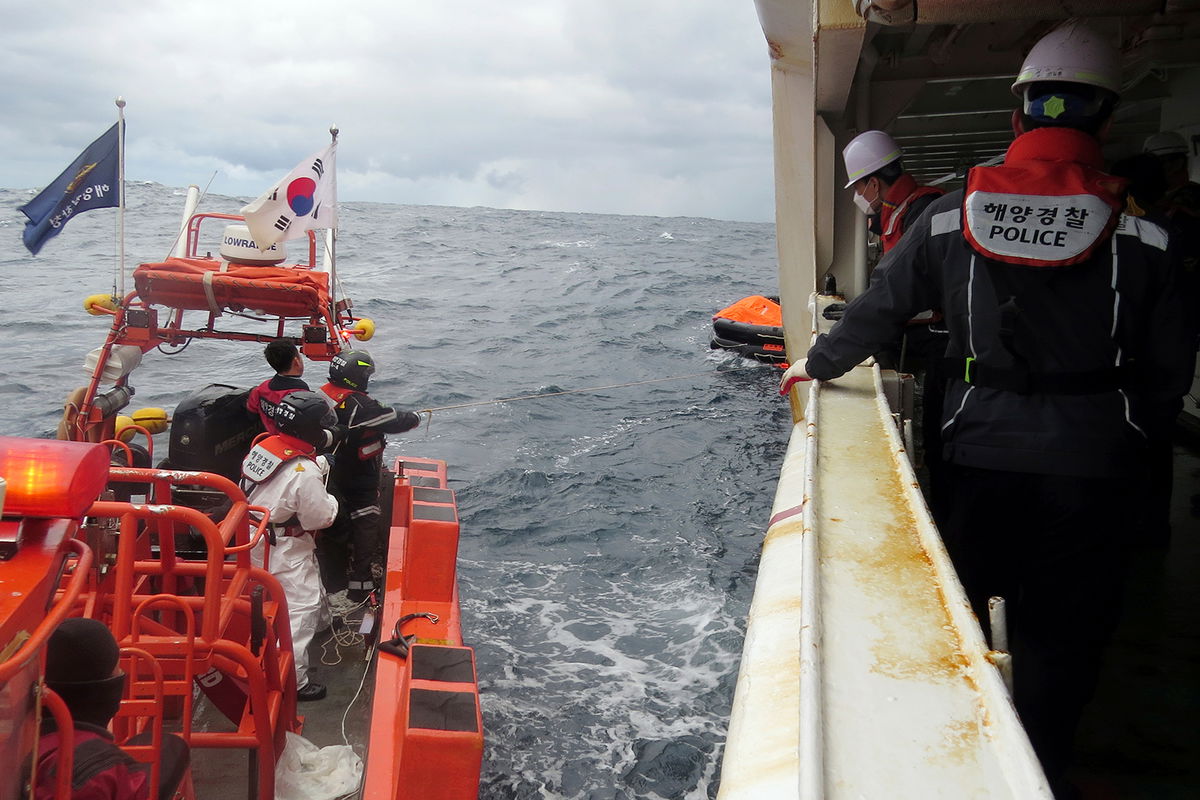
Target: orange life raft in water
pixel 752 327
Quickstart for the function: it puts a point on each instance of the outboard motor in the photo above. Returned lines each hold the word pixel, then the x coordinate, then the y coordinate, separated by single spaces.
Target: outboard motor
pixel 211 431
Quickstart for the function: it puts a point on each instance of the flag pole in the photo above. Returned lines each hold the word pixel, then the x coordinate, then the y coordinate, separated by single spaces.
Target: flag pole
pixel 121 191
pixel 333 291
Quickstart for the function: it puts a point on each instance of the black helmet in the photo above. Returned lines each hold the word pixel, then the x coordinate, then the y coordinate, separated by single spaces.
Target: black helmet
pixel 306 416
pixel 352 369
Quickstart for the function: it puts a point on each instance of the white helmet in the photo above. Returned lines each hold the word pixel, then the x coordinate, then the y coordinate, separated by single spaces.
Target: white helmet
pixel 1167 143
pixel 1071 53
pixel 867 153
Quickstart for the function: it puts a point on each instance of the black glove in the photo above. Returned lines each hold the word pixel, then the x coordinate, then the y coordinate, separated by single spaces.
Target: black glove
pixel 339 433
pixel 334 435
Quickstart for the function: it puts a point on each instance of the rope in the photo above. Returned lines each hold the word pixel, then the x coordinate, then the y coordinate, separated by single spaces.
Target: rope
pixel 353 700
pixel 430 411
pixel 199 200
pixel 343 632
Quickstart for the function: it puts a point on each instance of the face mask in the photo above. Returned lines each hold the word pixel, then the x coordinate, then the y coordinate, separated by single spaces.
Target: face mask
pixel 863 204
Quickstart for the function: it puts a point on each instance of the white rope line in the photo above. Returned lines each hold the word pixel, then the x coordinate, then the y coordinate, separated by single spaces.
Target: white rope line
pixel 342 633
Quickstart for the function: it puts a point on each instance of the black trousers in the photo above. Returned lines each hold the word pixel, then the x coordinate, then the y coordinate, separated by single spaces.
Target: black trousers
pixel 346 548
pixel 1053 547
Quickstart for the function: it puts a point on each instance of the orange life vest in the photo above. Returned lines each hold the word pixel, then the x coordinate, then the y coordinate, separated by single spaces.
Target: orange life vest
pixel 272 452
pixel 1041 212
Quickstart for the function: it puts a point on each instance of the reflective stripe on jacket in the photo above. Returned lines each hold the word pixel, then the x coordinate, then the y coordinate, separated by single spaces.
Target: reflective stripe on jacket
pixel 1118 308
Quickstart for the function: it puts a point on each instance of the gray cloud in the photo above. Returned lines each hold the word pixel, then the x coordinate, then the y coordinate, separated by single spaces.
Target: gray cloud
pixel 578 105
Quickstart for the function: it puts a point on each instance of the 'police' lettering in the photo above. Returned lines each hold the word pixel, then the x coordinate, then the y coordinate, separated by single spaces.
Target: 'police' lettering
pixel 260 463
pixel 1032 228
pixel 1028 236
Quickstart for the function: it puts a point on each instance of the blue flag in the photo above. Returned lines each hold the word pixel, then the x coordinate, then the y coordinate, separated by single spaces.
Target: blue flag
pixel 90 182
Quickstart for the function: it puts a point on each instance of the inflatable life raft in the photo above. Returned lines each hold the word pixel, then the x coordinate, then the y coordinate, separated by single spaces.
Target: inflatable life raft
pixel 752 327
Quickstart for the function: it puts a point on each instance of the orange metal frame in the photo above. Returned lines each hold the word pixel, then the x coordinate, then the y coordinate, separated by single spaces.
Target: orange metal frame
pixel 175 619
pixel 31 610
pixel 142 599
pixel 135 323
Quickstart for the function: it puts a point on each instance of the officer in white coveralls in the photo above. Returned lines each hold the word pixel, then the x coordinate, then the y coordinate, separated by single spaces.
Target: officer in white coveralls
pixel 286 475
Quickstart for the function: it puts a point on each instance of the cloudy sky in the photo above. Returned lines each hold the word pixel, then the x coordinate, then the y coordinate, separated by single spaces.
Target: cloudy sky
pixel 657 107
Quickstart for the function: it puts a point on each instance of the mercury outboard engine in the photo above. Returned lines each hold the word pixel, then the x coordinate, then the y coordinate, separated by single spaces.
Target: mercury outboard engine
pixel 211 431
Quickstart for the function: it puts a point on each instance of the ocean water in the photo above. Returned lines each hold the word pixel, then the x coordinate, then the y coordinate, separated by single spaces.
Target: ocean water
pixel 609 538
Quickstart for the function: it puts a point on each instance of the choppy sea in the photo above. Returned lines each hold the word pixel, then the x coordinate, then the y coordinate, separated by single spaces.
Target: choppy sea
pixel 610 538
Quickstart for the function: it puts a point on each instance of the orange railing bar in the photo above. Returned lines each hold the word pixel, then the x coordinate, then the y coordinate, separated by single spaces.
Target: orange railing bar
pixel 55 615
pixel 129 513
pixel 156 719
pixel 189 668
pixel 66 741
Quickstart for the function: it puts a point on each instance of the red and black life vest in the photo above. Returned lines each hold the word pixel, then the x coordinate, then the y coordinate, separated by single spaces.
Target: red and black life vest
pixel 100 770
pixel 896 204
pixel 267 395
pixel 1039 210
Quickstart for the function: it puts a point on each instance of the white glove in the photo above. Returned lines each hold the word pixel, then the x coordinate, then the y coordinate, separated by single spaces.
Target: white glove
pixel 322 466
pixel 794 374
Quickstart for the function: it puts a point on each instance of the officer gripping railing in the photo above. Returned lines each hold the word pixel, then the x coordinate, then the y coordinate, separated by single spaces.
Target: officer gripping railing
pixel 864 672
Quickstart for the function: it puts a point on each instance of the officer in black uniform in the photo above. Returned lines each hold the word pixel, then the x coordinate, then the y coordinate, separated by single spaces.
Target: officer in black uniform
pixel 1069 350
pixel 346 549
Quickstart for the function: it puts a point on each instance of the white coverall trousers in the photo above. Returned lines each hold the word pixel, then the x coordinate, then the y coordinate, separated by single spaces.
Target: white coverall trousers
pixel 294 564
pixel 296 493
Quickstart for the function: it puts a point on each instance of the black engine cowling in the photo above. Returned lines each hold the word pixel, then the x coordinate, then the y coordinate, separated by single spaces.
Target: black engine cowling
pixel 211 431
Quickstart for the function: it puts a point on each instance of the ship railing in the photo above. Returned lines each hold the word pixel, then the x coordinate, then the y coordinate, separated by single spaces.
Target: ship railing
pixel 861 647
pixel 218 618
pixel 138 724
pixel 23 668
pixel 148 528
pixel 73 582
pixel 65 761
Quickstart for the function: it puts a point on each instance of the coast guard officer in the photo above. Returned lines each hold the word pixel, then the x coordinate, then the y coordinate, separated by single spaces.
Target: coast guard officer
pixel 285 359
pixel 1068 351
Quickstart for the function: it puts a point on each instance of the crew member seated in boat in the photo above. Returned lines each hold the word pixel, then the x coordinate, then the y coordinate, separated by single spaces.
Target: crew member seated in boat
pixel 346 550
pixel 285 359
pixel 286 474
pixel 1069 351
pixel 82 667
